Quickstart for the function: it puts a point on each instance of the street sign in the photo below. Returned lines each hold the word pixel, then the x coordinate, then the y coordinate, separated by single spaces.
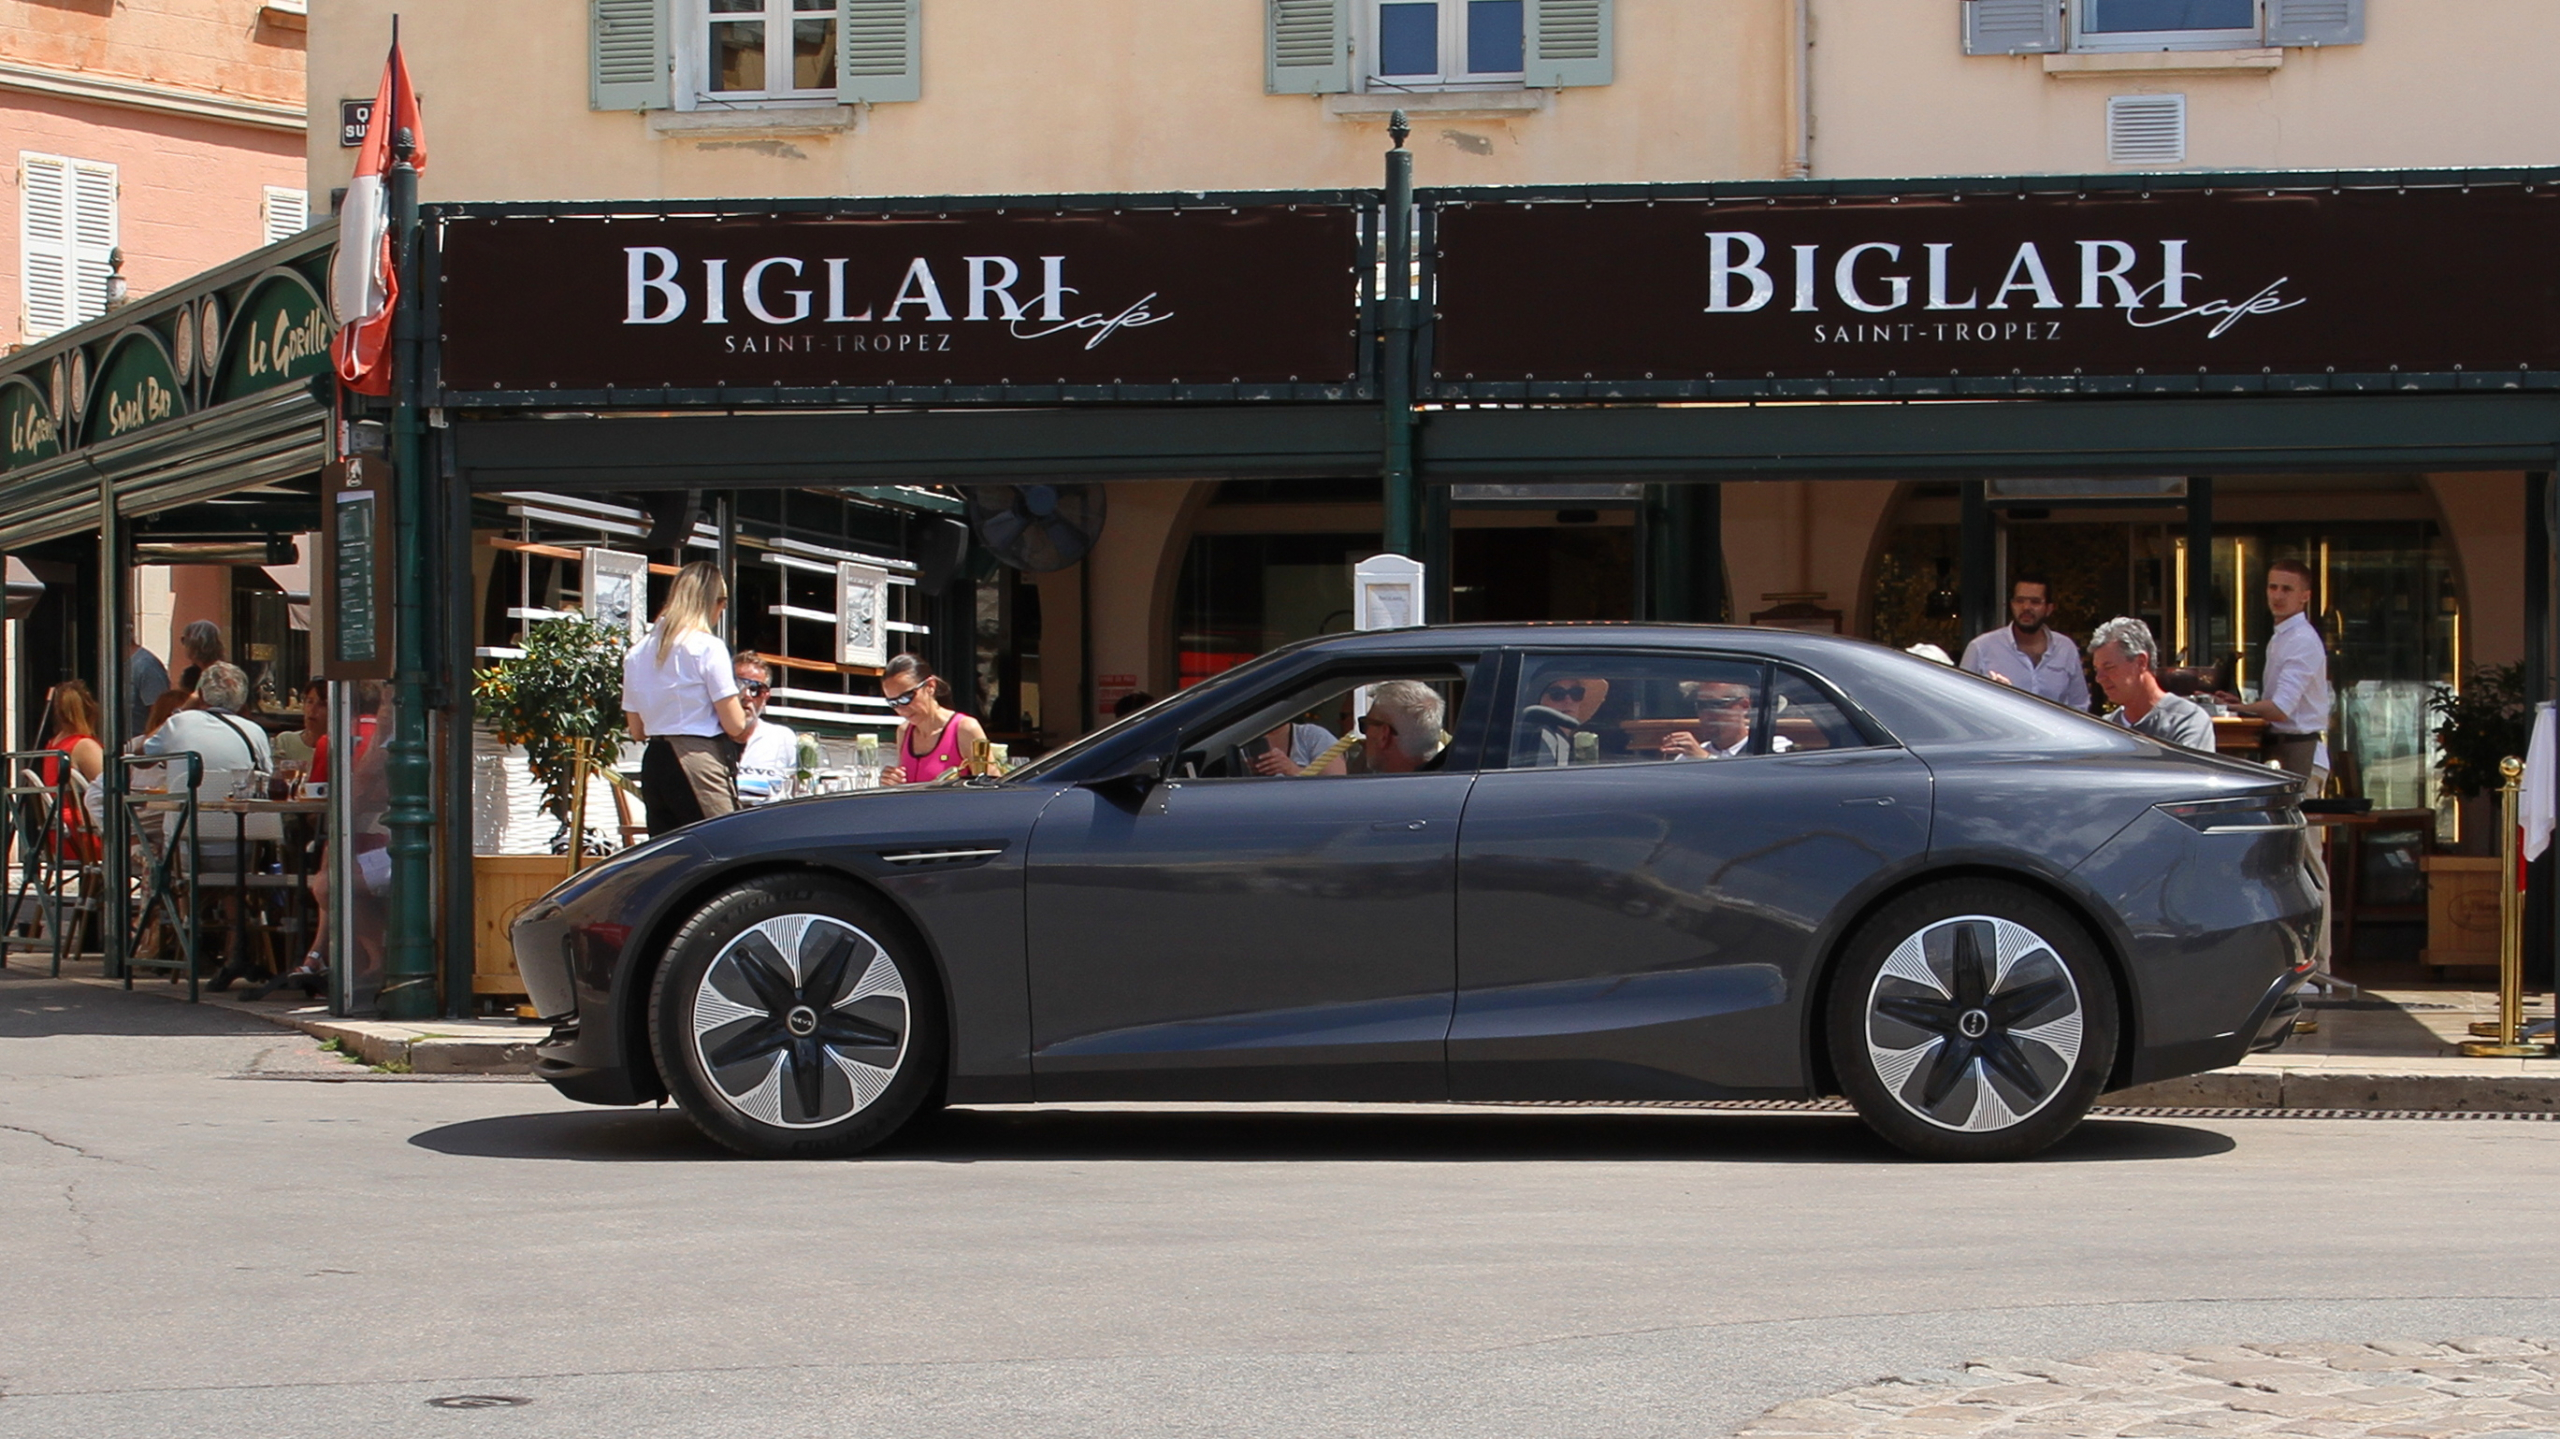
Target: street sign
pixel 1923 288
pixel 994 297
pixel 354 118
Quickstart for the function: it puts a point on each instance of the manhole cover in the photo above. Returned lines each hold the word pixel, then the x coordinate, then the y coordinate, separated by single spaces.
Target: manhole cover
pixel 478 1401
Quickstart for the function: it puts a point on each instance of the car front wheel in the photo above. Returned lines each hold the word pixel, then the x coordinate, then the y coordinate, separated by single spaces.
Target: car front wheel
pixel 794 1018
pixel 1972 1020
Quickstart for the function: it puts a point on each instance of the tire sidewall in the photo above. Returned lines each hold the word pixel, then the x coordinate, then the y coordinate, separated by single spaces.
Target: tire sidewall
pixel 700 941
pixel 1865 956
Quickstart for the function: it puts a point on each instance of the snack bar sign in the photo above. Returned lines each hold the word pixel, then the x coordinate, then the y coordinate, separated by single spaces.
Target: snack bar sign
pixel 2374 281
pixel 1215 296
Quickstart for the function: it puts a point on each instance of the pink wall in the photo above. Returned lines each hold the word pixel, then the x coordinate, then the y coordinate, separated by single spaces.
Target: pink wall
pixel 190 192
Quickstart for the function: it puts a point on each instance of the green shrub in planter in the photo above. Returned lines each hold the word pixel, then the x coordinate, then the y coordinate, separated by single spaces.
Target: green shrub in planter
pixel 2488 721
pixel 566 686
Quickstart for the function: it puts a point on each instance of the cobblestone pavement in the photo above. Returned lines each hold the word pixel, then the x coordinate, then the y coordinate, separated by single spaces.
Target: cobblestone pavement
pixel 2388 1389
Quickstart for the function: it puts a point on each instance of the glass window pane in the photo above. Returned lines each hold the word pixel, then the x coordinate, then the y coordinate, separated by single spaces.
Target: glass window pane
pixel 813 54
pixel 1804 718
pixel 737 7
pixel 2110 17
pixel 737 55
pixel 1633 709
pixel 1493 37
pixel 1409 39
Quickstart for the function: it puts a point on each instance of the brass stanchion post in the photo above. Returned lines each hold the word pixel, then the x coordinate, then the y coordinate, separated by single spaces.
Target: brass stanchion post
pixel 2509 1041
pixel 578 802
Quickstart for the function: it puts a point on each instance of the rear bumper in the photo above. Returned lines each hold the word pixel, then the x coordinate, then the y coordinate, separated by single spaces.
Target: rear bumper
pixel 589 1085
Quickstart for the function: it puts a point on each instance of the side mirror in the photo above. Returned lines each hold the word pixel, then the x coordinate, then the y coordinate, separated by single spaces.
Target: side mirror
pixel 1133 783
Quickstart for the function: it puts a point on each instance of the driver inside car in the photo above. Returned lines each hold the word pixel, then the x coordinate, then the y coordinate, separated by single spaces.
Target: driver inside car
pixel 1561 711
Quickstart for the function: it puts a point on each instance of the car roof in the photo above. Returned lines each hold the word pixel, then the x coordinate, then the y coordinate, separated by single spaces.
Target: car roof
pixel 1795 644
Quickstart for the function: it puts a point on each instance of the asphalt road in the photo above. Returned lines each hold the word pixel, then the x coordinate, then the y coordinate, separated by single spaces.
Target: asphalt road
pixel 204 1235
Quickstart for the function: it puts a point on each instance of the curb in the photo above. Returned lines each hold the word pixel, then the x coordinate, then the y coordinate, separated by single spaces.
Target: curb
pixel 418 1053
pixel 2332 1089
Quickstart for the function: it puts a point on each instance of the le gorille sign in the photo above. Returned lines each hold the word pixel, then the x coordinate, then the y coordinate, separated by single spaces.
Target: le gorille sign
pixel 1212 295
pixel 1939 284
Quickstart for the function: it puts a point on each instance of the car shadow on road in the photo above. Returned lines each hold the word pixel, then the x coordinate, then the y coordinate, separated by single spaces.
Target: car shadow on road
pixel 964 1136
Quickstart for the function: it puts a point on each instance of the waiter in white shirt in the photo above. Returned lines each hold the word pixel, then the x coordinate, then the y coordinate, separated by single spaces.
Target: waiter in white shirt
pixel 2027 654
pixel 2293 691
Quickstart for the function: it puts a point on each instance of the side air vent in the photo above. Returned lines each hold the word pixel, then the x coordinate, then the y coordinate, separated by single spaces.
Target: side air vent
pixel 942 856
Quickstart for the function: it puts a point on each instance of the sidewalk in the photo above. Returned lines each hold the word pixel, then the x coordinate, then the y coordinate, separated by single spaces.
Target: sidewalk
pixel 2385 1050
pixel 434 1046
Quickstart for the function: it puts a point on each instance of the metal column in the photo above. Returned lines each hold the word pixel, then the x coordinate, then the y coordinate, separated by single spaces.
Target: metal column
pixel 1404 502
pixel 2199 571
pixel 409 957
pixel 1683 537
pixel 1977 563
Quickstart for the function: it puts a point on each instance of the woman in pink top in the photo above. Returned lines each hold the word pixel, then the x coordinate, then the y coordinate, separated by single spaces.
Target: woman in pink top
pixel 935 740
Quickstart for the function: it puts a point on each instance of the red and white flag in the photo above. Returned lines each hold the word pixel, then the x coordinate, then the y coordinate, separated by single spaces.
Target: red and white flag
pixel 362 285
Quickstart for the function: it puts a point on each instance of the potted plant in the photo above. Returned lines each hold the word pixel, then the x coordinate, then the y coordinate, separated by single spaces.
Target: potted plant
pixel 565 688
pixel 2484 722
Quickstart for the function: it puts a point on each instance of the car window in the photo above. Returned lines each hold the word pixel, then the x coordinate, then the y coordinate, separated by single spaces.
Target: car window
pixel 1374 722
pixel 1804 716
pixel 1637 709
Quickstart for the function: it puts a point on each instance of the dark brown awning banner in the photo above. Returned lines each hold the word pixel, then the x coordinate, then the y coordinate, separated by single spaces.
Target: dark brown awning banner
pixel 1938 284
pixel 1266 295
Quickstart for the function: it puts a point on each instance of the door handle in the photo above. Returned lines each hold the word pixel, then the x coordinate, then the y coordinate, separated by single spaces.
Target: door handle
pixel 1879 800
pixel 1404 824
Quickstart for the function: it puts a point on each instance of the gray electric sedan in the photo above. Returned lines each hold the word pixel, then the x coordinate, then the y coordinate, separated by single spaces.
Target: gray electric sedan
pixel 1588 862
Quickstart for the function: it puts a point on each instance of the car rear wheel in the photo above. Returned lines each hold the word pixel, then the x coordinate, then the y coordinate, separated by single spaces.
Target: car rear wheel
pixel 794 1018
pixel 1972 1020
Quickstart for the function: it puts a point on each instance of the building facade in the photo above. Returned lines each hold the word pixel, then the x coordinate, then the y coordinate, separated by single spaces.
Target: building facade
pixel 653 100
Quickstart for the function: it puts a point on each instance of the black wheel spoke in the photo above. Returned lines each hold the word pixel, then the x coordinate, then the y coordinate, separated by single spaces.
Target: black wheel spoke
pixel 1936 1016
pixel 842 1029
pixel 809 1074
pixel 2001 1056
pixel 825 972
pixel 2008 1009
pixel 1954 1057
pixel 761 1038
pixel 765 971
pixel 1973 971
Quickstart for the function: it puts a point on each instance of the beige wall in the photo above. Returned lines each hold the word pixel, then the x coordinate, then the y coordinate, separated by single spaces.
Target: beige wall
pixel 2437 82
pixel 1037 96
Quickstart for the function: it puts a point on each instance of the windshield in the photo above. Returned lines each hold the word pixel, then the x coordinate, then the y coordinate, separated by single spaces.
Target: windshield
pixel 1214 685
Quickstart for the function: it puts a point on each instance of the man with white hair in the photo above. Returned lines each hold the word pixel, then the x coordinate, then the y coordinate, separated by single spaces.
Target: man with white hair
pixel 1401 732
pixel 2125 658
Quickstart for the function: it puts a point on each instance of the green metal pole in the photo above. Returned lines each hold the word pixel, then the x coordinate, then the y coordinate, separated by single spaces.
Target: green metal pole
pixel 409 960
pixel 1403 529
pixel 115 601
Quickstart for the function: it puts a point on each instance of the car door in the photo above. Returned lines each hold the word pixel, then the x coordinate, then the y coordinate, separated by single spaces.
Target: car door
pixel 1226 934
pixel 1631 926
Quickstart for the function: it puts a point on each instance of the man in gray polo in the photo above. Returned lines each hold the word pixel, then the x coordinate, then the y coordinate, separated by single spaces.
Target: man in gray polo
pixel 2125 659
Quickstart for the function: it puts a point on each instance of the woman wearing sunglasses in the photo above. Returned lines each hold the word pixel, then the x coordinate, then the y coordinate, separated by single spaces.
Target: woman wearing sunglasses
pixel 680 695
pixel 935 739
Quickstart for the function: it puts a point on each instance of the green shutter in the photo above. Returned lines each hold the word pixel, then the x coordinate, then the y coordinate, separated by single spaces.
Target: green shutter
pixel 1307 47
pixel 1569 43
pixel 2315 22
pixel 627 65
pixel 879 51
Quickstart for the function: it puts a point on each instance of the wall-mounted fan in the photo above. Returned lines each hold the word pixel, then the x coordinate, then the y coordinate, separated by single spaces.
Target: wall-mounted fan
pixel 1037 527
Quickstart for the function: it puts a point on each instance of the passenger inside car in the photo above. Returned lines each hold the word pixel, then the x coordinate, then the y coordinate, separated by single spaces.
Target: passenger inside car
pixel 1724 709
pixel 1401 733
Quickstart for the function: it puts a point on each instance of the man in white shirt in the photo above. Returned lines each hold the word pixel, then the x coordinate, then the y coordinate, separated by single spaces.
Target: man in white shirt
pixel 772 752
pixel 1725 710
pixel 2026 654
pixel 2293 691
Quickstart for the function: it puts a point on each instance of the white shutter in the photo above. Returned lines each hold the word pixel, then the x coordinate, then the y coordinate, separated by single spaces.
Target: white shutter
pixel 44 245
pixel 1306 47
pixel 1569 43
pixel 627 61
pixel 879 51
pixel 2315 22
pixel 2146 129
pixel 287 213
pixel 2012 27
pixel 93 233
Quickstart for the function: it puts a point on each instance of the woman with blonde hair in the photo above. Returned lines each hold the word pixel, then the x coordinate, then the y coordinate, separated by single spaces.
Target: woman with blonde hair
pixel 680 697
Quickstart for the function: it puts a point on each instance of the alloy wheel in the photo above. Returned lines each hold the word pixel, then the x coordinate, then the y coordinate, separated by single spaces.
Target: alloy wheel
pixel 801 1021
pixel 1974 1023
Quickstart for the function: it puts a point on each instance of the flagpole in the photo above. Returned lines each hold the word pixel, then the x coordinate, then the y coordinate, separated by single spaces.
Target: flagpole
pixel 409 990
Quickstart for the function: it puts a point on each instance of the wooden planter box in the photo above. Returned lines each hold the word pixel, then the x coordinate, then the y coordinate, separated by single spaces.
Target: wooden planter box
pixel 501 886
pixel 2462 912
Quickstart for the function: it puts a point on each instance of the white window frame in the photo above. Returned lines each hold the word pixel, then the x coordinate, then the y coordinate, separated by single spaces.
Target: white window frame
pixel 692 43
pixel 2087 42
pixel 275 197
pixel 1452 75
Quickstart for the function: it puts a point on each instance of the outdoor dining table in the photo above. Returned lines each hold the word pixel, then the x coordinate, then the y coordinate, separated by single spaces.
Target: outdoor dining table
pixel 295 853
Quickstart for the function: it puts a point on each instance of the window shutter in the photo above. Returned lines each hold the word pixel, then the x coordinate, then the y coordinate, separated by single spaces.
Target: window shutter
pixel 44 239
pixel 2315 22
pixel 287 213
pixel 1307 47
pixel 2012 27
pixel 93 236
pixel 879 54
pixel 628 64
pixel 1569 43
